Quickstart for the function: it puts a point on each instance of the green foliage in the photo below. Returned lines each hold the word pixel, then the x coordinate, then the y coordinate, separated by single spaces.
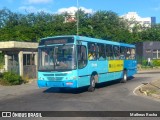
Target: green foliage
pixel 156 62
pixel 10 78
pixel 151 34
pixel 144 63
pixel 101 24
pixel 1 60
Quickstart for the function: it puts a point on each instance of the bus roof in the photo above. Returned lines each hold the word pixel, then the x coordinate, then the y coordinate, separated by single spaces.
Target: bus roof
pixel 89 39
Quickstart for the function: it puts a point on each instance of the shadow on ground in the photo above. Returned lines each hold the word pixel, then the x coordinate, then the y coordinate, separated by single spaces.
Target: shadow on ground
pixel 82 89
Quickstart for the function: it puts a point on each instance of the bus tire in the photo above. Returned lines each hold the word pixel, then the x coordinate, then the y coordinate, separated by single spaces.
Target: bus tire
pixel 124 78
pixel 91 88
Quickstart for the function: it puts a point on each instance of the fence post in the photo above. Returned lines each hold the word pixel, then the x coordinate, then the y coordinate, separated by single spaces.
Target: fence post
pixel 20 56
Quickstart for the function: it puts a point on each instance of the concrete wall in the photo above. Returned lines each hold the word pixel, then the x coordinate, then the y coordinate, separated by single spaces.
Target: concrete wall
pixel 18 48
pixel 142 47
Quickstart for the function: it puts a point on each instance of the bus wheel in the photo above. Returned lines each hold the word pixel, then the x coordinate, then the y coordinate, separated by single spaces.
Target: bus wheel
pixel 92 84
pixel 124 78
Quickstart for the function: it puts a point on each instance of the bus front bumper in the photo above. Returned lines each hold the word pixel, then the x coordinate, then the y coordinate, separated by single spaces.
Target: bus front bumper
pixel 68 83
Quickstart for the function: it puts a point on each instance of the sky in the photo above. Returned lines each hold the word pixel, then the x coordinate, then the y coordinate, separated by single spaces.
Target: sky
pixel 144 8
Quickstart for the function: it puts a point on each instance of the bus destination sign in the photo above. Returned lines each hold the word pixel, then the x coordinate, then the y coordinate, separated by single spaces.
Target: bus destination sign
pixel 60 40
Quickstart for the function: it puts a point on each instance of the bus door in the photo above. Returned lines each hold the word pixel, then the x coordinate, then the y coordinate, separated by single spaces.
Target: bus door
pixel 82 63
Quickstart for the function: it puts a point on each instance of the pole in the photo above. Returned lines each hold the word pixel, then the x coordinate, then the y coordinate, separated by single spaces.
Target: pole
pixel 77 18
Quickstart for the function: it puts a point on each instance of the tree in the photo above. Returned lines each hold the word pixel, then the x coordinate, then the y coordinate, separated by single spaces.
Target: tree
pixel 151 34
pixel 101 24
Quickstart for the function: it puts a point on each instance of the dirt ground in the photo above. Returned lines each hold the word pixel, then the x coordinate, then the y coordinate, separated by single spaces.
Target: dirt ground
pixel 150 89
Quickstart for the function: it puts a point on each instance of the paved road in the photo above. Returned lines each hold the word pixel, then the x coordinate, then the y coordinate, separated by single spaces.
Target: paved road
pixel 112 96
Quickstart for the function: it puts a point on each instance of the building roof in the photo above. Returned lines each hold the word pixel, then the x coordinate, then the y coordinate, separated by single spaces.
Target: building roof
pixel 8 45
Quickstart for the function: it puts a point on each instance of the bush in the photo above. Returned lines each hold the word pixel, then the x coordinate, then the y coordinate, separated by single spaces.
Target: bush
pixel 10 78
pixel 144 63
pixel 1 60
pixel 156 62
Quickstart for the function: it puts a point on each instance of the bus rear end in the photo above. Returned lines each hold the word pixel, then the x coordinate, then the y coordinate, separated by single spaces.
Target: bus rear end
pixel 57 62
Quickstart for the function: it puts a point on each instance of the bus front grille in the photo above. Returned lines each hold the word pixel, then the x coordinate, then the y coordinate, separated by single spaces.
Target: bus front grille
pixel 55 78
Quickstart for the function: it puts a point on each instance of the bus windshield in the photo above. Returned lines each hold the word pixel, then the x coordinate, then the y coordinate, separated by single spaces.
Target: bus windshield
pixel 57 58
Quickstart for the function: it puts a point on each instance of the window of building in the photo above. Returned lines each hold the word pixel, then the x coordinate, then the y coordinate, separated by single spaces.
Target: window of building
pixel 146 22
pixel 148 50
pixel 92 51
pixel 12 59
pixel 28 59
pixel 101 52
pixel 155 56
pixel 109 52
pixel 159 54
pixel 82 56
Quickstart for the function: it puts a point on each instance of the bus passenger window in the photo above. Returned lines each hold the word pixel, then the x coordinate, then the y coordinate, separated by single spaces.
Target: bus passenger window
pixel 82 56
pixel 109 52
pixel 116 52
pixel 128 53
pixel 132 56
pixel 122 53
pixel 101 52
pixel 92 51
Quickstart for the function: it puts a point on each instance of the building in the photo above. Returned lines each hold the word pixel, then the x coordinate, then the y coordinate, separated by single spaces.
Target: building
pixel 134 19
pixel 145 50
pixel 70 18
pixel 20 57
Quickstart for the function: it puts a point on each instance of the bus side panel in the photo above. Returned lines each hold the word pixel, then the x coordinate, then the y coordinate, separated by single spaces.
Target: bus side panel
pixel 110 70
pixel 102 70
pixel 131 66
pixel 118 75
pixel 114 70
pixel 131 72
pixel 110 76
pixel 83 81
pixel 84 74
pixel 83 77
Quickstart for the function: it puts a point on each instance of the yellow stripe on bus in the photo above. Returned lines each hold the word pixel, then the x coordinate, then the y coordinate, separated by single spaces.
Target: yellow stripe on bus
pixel 115 65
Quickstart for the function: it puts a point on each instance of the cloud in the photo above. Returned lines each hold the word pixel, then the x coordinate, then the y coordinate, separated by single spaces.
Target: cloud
pixel 86 10
pixel 72 10
pixel 32 9
pixel 39 1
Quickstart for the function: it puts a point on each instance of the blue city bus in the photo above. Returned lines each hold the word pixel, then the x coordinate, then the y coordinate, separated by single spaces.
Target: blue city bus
pixel 76 61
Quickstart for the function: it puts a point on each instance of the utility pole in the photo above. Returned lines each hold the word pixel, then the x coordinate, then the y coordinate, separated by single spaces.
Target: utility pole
pixel 77 17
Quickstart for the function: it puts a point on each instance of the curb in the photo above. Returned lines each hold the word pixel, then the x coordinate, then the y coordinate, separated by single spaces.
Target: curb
pixel 147 92
pixel 143 91
pixel 148 71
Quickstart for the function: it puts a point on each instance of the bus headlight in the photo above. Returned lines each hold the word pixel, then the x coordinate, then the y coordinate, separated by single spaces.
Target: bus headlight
pixel 73 78
pixel 41 78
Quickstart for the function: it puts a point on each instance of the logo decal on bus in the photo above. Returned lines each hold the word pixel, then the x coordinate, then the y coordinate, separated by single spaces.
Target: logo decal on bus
pixel 115 65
